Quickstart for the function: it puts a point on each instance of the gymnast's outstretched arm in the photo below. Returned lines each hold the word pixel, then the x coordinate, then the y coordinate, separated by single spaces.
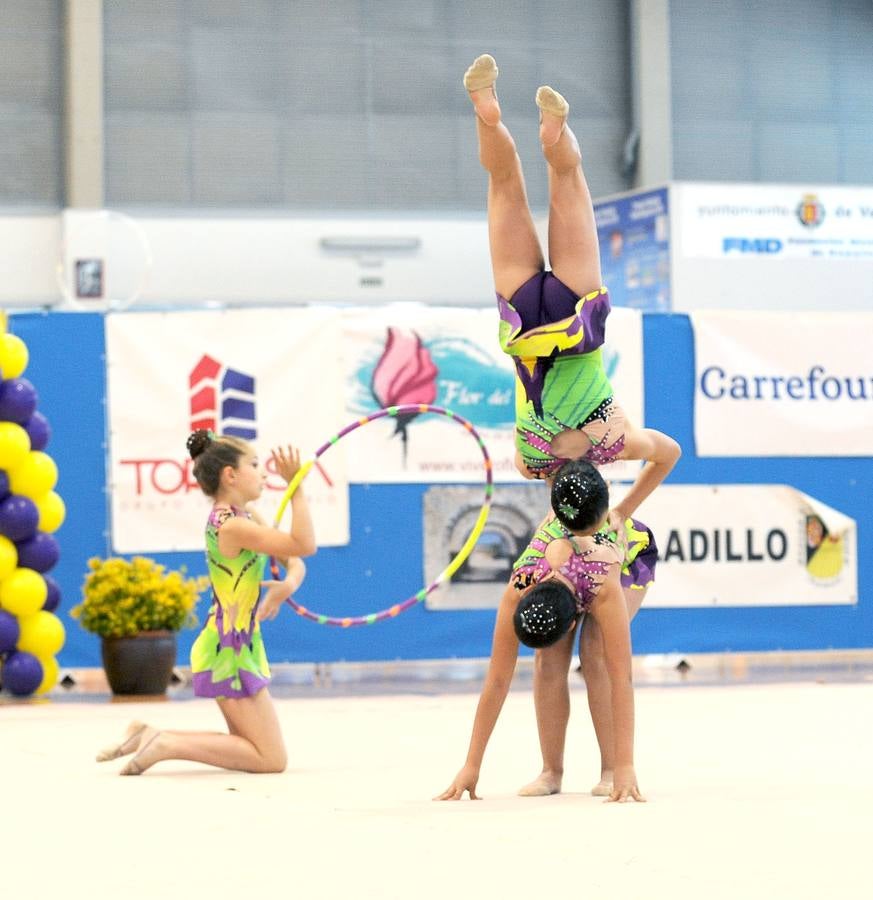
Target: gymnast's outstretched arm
pixel 504 655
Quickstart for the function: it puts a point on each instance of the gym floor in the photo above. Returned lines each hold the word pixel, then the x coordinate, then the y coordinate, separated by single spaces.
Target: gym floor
pixel 755 790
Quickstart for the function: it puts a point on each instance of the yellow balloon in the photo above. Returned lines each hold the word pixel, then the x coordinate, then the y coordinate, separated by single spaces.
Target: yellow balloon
pixel 14 445
pixel 52 512
pixel 41 634
pixel 34 476
pixel 14 356
pixel 50 672
pixel 23 592
pixel 8 557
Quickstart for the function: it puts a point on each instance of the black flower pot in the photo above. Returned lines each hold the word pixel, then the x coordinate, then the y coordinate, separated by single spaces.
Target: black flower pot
pixel 142 664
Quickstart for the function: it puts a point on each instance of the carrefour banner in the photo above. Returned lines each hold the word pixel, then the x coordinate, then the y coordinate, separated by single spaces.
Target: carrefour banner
pixel 749 545
pixel 272 377
pixel 742 221
pixel 782 384
pixel 449 357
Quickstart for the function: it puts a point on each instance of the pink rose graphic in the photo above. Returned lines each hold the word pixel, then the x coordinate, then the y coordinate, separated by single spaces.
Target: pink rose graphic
pixel 405 373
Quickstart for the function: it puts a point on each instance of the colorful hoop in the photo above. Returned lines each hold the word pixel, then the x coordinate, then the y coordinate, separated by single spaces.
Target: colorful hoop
pixel 450 569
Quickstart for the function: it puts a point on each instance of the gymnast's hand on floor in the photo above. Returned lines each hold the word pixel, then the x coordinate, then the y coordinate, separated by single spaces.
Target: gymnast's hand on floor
pixel 465 780
pixel 624 786
pixel 276 593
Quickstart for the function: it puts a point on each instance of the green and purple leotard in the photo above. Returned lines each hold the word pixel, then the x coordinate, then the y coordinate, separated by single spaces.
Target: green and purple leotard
pixel 228 658
pixel 555 340
pixel 592 557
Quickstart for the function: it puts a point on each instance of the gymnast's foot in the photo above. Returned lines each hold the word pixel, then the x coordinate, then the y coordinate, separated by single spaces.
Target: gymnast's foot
pixel 479 81
pixel 603 788
pixel 151 750
pixel 129 744
pixel 553 115
pixel 546 784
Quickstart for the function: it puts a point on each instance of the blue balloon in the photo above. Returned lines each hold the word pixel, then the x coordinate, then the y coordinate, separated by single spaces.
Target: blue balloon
pixel 17 400
pixel 53 598
pixel 21 673
pixel 39 431
pixel 4 484
pixel 9 631
pixel 39 553
pixel 18 517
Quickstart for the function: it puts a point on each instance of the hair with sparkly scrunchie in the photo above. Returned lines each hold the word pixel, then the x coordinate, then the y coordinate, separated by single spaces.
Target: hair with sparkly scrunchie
pixel 580 497
pixel 544 614
pixel 211 453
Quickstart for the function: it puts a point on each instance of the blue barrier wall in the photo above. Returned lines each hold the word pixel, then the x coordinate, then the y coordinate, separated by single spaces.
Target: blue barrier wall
pixel 377 568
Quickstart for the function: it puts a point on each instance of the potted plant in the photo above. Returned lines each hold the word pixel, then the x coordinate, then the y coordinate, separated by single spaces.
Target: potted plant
pixel 136 607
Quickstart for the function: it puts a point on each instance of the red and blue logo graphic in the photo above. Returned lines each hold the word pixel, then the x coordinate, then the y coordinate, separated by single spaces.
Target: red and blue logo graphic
pixel 222 399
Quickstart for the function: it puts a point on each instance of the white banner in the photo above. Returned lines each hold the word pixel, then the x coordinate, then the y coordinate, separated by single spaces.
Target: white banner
pixel 748 545
pixel 782 384
pixel 299 375
pixel 270 376
pixel 451 358
pixel 768 221
pixel 409 353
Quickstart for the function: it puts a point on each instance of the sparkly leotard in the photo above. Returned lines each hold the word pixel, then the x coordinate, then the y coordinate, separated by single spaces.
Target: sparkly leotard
pixel 228 658
pixel 555 340
pixel 592 557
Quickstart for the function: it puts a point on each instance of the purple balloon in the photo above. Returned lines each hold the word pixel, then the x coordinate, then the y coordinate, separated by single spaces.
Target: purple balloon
pixel 17 400
pixel 39 553
pixel 9 631
pixel 4 484
pixel 22 673
pixel 53 598
pixel 39 431
pixel 18 517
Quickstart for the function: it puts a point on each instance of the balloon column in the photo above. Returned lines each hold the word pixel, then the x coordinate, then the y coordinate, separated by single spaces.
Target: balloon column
pixel 30 511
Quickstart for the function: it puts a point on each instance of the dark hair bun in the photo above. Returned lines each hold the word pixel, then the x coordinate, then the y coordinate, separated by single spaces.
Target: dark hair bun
pixel 579 495
pixel 544 614
pixel 198 441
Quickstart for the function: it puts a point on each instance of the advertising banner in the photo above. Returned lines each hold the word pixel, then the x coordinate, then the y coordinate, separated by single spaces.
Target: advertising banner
pixel 781 384
pixel 634 234
pixel 719 545
pixel 451 358
pixel 271 377
pixel 410 353
pixel 749 545
pixel 768 221
pixel 331 367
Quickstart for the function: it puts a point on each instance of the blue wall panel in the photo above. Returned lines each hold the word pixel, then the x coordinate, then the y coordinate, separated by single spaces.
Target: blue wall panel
pixel 383 562
pixel 68 369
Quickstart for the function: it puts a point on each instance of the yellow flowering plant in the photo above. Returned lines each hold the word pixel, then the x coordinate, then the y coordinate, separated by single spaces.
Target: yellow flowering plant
pixel 122 598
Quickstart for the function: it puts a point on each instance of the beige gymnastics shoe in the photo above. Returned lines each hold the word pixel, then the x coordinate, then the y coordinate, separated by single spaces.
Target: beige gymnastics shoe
pixel 553 114
pixel 482 74
pixel 128 745
pixel 551 102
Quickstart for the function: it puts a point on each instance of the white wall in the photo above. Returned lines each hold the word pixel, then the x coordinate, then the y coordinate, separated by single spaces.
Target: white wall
pixel 280 260
pixel 29 253
pixel 235 259
pixel 183 260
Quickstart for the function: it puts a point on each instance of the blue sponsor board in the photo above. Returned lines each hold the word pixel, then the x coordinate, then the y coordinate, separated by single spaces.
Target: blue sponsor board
pixel 385 558
pixel 634 233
